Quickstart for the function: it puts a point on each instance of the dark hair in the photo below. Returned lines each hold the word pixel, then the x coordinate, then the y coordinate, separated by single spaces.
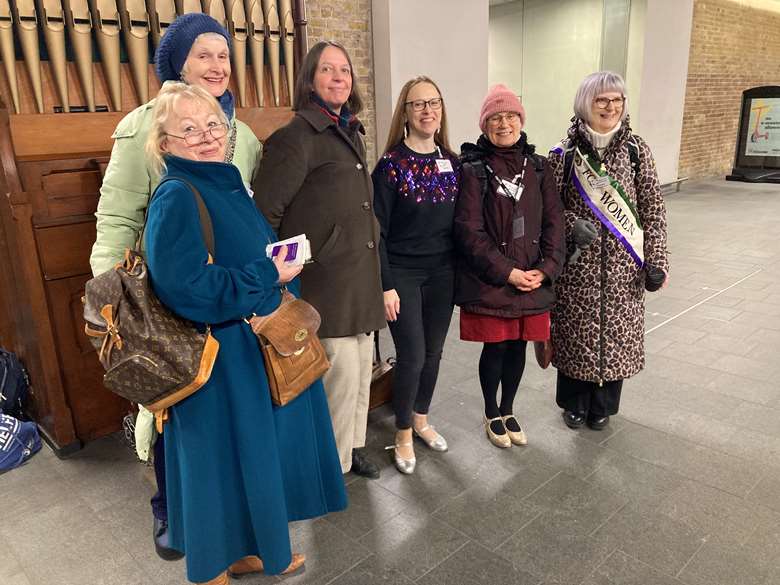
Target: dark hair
pixel 304 85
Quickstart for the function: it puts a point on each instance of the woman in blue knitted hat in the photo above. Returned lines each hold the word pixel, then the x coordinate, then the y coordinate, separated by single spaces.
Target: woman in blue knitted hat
pixel 195 49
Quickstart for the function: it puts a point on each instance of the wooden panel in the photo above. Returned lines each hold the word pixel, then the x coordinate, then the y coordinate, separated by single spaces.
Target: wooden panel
pixel 66 135
pixel 36 344
pixel 263 121
pixel 64 249
pixel 96 411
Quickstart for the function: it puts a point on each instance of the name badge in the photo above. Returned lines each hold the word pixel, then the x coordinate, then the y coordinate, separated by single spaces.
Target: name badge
pixel 518 227
pixel 601 183
pixel 444 165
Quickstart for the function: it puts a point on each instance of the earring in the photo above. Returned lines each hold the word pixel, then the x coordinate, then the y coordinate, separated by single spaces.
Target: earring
pixel 406 129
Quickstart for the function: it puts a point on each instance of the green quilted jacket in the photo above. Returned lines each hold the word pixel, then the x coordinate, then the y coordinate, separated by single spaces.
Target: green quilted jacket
pixel 129 181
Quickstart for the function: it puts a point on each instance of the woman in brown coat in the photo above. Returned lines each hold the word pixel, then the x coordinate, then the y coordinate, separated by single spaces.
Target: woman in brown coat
pixel 609 185
pixel 313 179
pixel 509 235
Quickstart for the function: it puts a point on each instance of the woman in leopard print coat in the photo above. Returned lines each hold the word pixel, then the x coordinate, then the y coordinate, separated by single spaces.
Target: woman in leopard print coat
pixel 598 319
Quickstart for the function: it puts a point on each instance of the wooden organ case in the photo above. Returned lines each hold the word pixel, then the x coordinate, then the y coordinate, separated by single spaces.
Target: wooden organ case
pixel 57 115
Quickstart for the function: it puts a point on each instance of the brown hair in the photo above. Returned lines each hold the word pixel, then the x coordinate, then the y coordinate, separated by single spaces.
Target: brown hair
pixel 304 84
pixel 398 123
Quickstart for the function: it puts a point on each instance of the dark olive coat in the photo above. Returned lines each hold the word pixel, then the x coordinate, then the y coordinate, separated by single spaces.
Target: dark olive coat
pixel 313 179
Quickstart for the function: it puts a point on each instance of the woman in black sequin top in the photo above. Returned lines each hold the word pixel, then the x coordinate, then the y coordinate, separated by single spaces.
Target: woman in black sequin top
pixel 416 185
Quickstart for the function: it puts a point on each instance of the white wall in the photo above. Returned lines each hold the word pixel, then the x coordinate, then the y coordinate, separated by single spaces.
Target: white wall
pixel 667 38
pixel 505 45
pixel 635 59
pixel 444 39
pixel 561 45
pixel 542 50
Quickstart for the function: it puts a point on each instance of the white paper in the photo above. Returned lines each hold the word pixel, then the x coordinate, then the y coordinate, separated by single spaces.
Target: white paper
pixel 298 249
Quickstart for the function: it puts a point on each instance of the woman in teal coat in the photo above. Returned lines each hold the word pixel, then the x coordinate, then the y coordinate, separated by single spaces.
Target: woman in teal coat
pixel 238 468
pixel 195 49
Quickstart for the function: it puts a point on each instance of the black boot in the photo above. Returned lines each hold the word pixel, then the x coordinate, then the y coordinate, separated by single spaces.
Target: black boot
pixel 363 466
pixel 161 542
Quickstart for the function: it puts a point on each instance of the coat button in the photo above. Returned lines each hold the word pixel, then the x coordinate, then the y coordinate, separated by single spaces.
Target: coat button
pixel 359 167
pixel 370 245
pixel 365 205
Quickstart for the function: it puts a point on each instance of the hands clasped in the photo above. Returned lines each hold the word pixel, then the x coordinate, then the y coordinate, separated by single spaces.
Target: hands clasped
pixel 526 280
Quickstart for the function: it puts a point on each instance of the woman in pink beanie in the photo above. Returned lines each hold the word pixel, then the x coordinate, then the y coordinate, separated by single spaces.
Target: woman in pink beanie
pixel 509 235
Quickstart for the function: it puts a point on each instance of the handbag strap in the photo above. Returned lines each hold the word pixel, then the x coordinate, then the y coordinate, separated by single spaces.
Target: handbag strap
pixel 377 353
pixel 206 227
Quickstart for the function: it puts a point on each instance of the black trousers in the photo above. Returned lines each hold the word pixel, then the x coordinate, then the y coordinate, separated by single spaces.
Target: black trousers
pixel 159 500
pixel 426 309
pixel 588 397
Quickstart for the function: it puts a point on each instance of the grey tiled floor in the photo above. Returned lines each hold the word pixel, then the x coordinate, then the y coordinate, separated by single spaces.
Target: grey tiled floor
pixel 682 489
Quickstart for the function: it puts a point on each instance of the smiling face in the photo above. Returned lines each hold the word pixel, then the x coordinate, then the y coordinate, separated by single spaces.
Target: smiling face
pixel 193 117
pixel 333 78
pixel 503 129
pixel 603 119
pixel 208 64
pixel 424 123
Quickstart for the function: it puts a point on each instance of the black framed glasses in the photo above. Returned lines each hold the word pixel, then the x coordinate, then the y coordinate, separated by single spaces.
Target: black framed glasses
pixel 196 137
pixel 419 105
pixel 603 103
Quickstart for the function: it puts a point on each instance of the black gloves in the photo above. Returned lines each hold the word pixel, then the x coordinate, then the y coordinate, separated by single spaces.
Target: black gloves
pixel 654 278
pixel 584 233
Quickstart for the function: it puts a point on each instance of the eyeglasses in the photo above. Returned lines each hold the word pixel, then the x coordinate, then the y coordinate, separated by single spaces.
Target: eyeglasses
pixel 497 119
pixel 419 105
pixel 196 137
pixel 603 103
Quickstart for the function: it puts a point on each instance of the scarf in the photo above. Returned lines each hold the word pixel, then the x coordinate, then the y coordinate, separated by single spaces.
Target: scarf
pixel 345 119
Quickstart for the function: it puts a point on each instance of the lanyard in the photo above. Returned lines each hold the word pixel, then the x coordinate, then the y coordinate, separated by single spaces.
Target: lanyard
pixel 517 181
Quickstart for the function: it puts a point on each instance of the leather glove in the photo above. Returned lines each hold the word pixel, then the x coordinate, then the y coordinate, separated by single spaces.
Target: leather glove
pixel 654 278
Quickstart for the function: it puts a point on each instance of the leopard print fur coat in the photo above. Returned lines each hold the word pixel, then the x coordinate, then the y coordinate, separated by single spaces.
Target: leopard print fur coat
pixel 598 319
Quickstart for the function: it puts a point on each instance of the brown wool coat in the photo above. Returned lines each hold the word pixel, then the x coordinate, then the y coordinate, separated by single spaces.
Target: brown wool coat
pixel 313 179
pixel 599 317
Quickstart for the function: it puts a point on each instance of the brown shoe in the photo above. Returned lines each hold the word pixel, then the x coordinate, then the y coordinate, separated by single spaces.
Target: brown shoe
pixel 222 579
pixel 297 562
pixel 252 564
pixel 246 566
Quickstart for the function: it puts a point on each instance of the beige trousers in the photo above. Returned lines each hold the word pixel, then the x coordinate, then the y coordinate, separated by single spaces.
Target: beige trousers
pixel 347 386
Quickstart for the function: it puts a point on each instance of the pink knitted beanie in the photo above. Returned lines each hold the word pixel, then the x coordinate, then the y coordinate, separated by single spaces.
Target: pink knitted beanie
pixel 500 99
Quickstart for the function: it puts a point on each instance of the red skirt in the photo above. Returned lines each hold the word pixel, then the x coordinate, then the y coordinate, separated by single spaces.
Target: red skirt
pixel 489 329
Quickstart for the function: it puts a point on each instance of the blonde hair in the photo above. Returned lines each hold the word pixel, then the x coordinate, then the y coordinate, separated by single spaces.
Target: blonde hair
pixel 398 123
pixel 171 93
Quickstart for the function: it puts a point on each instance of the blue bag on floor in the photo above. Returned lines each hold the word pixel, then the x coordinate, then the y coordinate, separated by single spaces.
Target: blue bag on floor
pixel 14 384
pixel 18 442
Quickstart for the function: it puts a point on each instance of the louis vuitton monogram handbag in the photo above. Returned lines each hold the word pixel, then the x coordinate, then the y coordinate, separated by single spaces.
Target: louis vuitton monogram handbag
pixel 151 356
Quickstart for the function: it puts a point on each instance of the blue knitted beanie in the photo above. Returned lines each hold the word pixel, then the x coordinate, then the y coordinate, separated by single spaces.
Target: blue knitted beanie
pixel 177 41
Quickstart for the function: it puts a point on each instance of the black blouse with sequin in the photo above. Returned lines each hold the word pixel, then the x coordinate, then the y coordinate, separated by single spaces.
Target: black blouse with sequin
pixel 414 202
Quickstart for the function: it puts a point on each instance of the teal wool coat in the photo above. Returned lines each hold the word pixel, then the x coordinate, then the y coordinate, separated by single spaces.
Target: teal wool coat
pixel 238 469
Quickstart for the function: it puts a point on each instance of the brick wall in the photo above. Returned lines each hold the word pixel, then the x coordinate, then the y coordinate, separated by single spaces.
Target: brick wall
pixel 349 23
pixel 733 47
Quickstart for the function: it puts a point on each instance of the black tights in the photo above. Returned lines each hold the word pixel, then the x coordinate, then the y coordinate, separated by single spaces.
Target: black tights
pixel 501 362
